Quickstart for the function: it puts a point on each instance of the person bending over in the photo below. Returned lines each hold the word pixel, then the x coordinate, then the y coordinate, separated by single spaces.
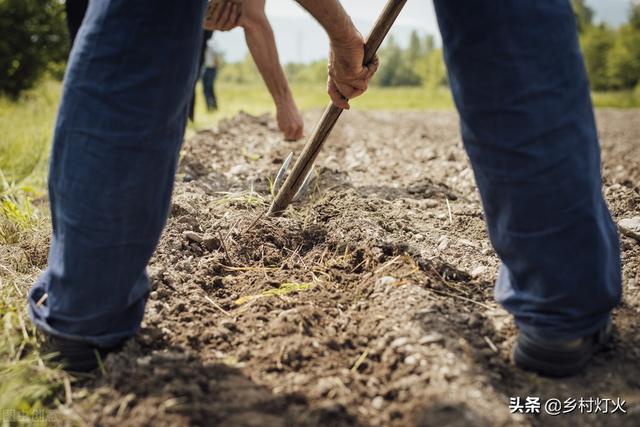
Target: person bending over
pixel 250 15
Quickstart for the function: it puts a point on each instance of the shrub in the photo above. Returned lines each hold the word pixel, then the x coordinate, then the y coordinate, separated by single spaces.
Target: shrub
pixel 33 35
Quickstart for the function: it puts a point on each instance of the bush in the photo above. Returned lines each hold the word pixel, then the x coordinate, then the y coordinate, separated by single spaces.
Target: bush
pixel 32 35
pixel 612 56
pixel 432 70
pixel 624 59
pixel 596 43
pixel 240 72
pixel 397 64
pixel 314 72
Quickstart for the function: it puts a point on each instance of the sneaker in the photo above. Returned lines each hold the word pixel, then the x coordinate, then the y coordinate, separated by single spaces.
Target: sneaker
pixel 557 358
pixel 75 356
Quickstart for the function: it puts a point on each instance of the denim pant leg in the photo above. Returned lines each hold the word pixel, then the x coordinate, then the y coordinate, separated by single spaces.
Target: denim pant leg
pixel 208 85
pixel 214 73
pixel 519 83
pixel 116 143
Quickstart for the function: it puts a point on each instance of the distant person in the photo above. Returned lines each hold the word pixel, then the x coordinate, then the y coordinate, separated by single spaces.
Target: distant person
pixel 206 36
pixel 250 15
pixel 211 60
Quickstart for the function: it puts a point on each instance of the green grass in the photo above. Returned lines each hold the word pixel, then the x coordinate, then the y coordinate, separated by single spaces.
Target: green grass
pixel 30 392
pixel 255 99
pixel 25 133
pixel 619 99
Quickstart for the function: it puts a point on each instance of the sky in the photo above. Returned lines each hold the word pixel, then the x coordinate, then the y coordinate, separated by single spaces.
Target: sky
pixel 416 13
pixel 300 39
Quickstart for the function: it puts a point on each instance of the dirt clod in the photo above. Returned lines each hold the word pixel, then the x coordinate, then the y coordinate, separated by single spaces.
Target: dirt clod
pixel 630 227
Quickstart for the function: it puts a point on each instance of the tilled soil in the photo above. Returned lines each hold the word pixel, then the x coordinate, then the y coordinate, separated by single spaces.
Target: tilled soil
pixel 370 302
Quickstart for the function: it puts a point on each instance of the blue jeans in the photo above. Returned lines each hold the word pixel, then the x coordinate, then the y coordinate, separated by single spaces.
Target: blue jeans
pixel 208 88
pixel 520 86
pixel 118 134
pixel 527 123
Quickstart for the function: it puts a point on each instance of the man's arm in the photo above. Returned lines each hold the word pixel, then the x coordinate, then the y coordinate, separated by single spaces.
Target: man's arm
pixel 333 18
pixel 262 45
pixel 347 77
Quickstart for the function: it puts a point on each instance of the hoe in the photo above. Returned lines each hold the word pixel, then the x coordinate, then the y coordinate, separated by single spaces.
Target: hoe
pixel 301 174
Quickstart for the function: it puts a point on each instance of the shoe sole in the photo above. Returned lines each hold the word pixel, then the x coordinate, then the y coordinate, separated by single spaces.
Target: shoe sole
pixel 527 362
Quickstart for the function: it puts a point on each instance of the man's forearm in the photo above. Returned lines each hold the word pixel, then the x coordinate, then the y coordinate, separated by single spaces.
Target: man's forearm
pixel 262 46
pixel 332 17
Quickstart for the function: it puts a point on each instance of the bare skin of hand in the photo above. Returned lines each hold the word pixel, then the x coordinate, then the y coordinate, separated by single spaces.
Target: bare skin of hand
pixel 289 120
pixel 347 77
pixel 223 16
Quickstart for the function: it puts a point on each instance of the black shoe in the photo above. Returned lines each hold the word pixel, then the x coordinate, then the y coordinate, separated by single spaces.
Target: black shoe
pixel 554 358
pixel 75 356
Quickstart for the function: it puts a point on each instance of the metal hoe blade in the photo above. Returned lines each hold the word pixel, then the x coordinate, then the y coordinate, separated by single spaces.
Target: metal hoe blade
pixel 277 183
pixel 306 185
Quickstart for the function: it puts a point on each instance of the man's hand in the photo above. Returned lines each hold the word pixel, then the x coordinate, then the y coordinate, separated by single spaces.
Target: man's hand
pixel 289 120
pixel 222 15
pixel 347 77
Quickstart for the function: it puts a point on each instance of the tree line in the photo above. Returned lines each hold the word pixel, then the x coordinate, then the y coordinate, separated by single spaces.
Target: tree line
pixel 419 64
pixel 611 55
pixel 34 41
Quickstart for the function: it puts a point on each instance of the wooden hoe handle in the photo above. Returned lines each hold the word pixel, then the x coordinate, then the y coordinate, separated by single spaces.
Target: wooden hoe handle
pixel 330 117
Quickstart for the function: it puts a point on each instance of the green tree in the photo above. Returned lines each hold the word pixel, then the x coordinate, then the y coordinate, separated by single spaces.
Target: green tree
pixel 584 14
pixel 596 43
pixel 244 71
pixel 32 35
pixel 429 44
pixel 432 70
pixel 314 72
pixel 414 51
pixel 634 16
pixel 395 69
pixel 623 59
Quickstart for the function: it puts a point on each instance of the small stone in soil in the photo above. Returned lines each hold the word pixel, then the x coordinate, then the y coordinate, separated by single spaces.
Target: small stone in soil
pixel 192 236
pixel 377 403
pixel 443 243
pixel 466 242
pixel 432 338
pixel 399 342
pixel 144 361
pixel 386 280
pixel 412 359
pixel 630 227
pixel 479 271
